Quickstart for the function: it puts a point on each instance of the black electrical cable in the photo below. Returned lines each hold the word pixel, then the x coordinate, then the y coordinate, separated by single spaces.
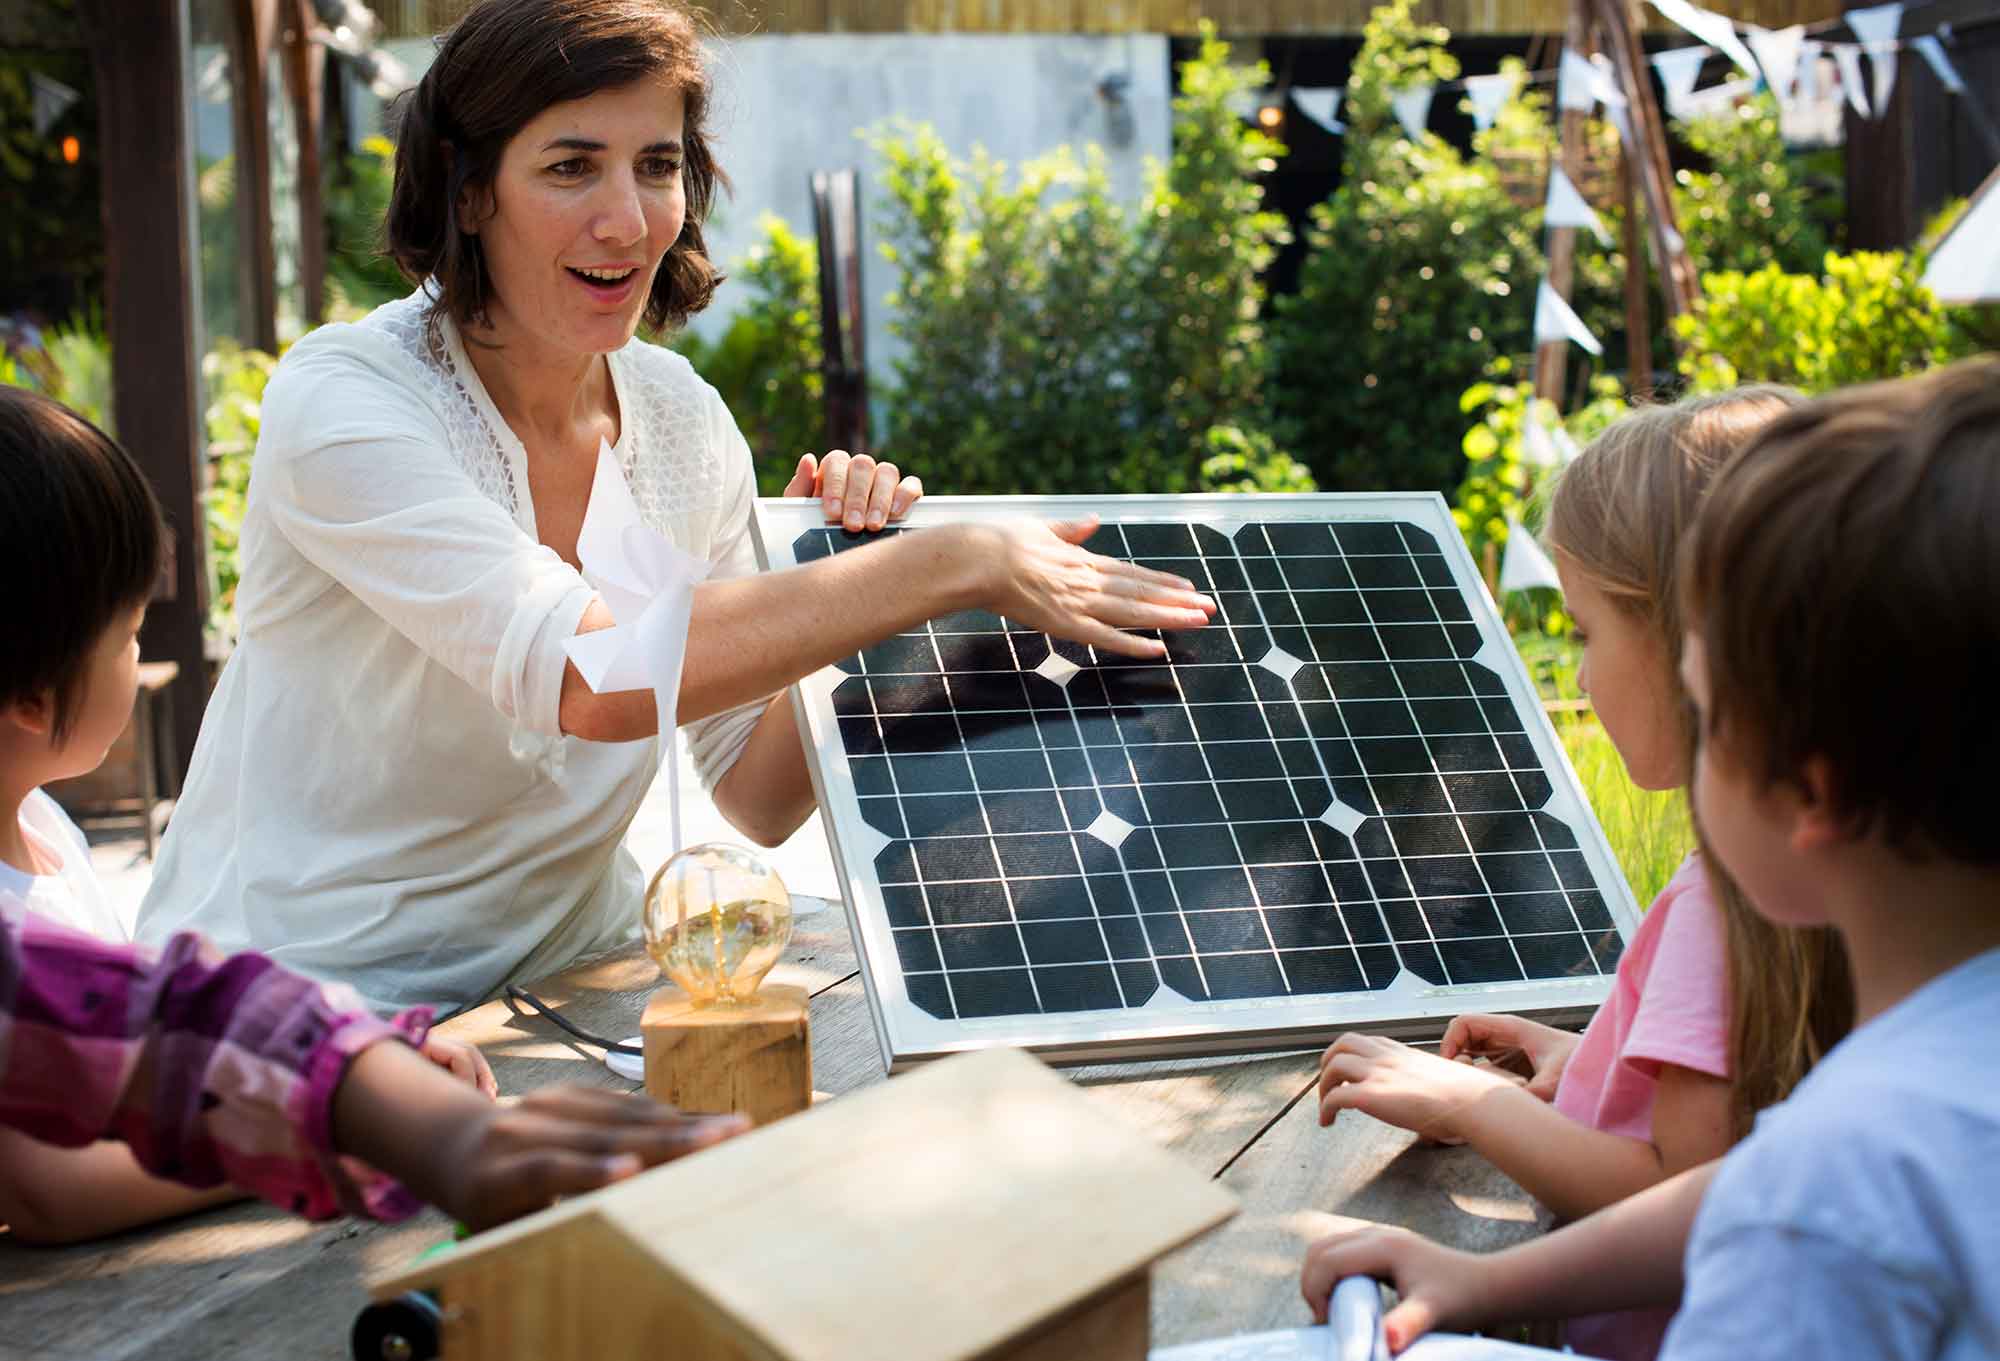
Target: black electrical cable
pixel 543 1009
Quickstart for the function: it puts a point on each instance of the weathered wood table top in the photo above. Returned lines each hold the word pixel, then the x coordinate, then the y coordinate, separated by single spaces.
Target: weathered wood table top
pixel 246 1281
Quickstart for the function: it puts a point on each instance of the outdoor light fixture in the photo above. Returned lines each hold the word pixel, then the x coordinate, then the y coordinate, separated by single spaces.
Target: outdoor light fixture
pixel 1271 117
pixel 72 150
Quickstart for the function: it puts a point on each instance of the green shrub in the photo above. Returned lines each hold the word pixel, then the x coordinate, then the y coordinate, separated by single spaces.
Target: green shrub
pixel 1866 317
pixel 1056 341
pixel 1248 461
pixel 1749 209
pixel 235 379
pixel 766 365
pixel 1422 269
pixel 359 278
pixel 1500 481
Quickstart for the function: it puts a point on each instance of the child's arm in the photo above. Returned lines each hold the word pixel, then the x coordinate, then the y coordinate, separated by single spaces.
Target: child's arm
pixel 1619 1258
pixel 1571 1168
pixel 67 1195
pixel 235 1069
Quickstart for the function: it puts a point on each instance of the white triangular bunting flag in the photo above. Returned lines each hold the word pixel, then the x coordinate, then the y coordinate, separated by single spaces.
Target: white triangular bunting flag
pixel 1933 52
pixel 1713 29
pixel 1809 81
pixel 1321 105
pixel 1576 82
pixel 1848 59
pixel 1413 109
pixel 1566 447
pixel 1567 208
pixel 52 100
pixel 1536 446
pixel 1554 320
pixel 1778 54
pixel 1487 94
pixel 1965 267
pixel 1679 70
pixel 1876 27
pixel 1525 564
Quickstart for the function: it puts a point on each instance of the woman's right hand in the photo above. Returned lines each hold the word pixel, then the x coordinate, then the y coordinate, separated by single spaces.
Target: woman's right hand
pixel 1545 1050
pixel 1035 573
pixel 1440 1287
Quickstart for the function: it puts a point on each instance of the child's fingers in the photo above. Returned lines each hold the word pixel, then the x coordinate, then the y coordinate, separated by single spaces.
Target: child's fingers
pixel 1409 1320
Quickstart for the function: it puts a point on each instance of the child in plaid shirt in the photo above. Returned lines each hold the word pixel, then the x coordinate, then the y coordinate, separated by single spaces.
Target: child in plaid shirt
pixel 212 1071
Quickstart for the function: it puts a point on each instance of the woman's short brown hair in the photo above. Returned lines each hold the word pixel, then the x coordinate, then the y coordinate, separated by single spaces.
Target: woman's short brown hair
pixel 496 70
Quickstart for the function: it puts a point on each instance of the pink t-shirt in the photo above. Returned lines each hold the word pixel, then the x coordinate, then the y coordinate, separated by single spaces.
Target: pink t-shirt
pixel 1669 1004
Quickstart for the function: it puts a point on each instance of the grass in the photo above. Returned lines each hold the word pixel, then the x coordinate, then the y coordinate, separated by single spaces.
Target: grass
pixel 1649 832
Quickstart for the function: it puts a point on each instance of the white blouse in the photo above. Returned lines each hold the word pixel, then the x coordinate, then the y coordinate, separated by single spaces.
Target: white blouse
pixel 381 793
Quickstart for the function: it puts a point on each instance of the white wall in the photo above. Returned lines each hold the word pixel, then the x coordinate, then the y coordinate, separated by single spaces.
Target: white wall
pixel 789 104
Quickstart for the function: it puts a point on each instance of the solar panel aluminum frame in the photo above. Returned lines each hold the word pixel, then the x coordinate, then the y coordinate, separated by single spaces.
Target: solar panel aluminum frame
pixel 909 1035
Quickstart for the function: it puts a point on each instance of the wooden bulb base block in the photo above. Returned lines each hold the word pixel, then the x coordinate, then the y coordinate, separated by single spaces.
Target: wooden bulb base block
pixel 754 1058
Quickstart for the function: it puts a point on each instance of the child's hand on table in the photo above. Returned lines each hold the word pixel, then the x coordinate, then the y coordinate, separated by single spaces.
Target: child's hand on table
pixel 1440 1288
pixel 1501 1040
pixel 484 1162
pixel 462 1061
pixel 1402 1086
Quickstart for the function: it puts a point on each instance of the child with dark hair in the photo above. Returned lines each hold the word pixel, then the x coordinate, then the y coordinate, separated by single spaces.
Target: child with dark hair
pixel 211 1071
pixel 1840 593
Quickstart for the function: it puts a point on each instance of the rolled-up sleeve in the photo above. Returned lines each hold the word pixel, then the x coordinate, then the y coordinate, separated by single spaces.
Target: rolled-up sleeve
pixel 356 472
pixel 212 1068
pixel 715 742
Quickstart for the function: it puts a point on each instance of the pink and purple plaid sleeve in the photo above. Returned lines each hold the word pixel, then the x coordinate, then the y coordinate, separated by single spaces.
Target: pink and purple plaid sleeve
pixel 213 1068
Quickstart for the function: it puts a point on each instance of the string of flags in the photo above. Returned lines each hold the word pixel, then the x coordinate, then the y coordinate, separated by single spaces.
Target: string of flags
pixel 1787 60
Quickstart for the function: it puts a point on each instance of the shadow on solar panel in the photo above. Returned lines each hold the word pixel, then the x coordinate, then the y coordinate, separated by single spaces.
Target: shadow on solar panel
pixel 1338 806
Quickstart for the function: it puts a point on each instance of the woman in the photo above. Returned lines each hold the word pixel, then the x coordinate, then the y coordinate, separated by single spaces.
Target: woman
pixel 401 782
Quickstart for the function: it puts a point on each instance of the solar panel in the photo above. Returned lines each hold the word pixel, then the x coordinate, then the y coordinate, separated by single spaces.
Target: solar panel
pixel 1340 805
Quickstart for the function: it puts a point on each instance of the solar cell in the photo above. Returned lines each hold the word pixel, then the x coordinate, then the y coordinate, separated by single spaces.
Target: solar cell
pixel 1339 805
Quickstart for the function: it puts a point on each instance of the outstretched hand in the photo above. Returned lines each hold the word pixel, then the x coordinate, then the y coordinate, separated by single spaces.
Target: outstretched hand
pixel 855 490
pixel 563 1141
pixel 1439 1287
pixel 1041 576
pixel 1401 1086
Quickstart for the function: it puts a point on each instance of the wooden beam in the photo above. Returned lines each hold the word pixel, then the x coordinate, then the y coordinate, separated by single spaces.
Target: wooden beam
pixel 1552 359
pixel 305 81
pixel 252 30
pixel 1679 287
pixel 1638 324
pixel 151 311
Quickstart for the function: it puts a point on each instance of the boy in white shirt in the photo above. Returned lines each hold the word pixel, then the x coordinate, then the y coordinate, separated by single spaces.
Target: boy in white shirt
pixel 1843 588
pixel 80 549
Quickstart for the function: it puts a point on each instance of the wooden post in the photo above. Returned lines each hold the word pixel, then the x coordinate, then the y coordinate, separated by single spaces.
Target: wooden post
pixel 1552 359
pixel 305 78
pixel 1678 285
pixel 150 315
pixel 755 1058
pixel 1638 325
pixel 252 27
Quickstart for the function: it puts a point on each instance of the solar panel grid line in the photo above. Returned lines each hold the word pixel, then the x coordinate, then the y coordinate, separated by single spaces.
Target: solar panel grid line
pixel 1542 843
pixel 1443 964
pixel 1388 930
pixel 915 868
pixel 1034 983
pixel 1124 865
pixel 1475 851
pixel 1305 815
pixel 1257 902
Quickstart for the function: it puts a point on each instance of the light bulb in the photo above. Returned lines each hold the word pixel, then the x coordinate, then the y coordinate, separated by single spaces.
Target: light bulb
pixel 717 918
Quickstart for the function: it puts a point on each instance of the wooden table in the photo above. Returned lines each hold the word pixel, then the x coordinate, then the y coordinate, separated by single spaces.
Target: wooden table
pixel 248 1282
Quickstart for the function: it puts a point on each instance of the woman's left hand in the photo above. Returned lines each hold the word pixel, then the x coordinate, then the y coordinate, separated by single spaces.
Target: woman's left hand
pixel 855 490
pixel 462 1061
